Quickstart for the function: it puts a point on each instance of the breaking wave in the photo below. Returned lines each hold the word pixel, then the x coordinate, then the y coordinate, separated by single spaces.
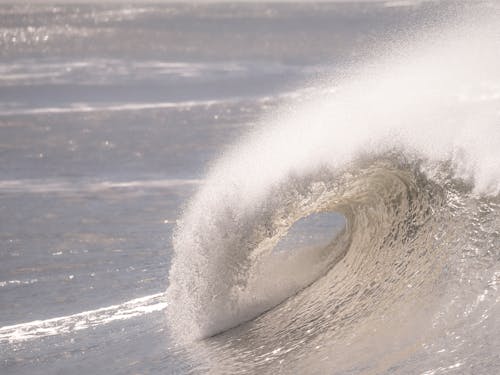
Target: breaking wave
pixel 405 154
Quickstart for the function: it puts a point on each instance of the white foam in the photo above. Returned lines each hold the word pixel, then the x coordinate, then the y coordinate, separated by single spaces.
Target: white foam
pixel 84 320
pixel 17 282
pixel 88 107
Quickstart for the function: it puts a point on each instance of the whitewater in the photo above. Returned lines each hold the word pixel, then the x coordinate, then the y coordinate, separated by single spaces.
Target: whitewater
pixel 406 150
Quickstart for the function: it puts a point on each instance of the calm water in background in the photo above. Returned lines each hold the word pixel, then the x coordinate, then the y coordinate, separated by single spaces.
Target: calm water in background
pixel 109 116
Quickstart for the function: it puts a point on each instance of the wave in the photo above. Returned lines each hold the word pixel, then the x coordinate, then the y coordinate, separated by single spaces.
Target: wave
pixel 112 71
pixel 37 329
pixel 407 151
pixel 48 185
pixel 17 110
pixel 10 109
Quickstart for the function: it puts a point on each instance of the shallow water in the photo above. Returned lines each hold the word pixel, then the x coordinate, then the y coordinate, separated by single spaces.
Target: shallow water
pixel 110 119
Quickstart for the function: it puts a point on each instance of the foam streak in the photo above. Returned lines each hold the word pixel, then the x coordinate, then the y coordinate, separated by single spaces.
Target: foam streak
pixel 84 320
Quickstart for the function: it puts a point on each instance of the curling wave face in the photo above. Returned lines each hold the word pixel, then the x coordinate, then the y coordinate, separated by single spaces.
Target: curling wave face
pixel 407 151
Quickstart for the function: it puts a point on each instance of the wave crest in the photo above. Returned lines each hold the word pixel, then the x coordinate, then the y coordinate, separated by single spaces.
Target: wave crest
pixel 395 148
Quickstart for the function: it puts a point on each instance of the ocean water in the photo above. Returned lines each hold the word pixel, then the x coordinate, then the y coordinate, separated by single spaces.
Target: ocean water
pixel 250 188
